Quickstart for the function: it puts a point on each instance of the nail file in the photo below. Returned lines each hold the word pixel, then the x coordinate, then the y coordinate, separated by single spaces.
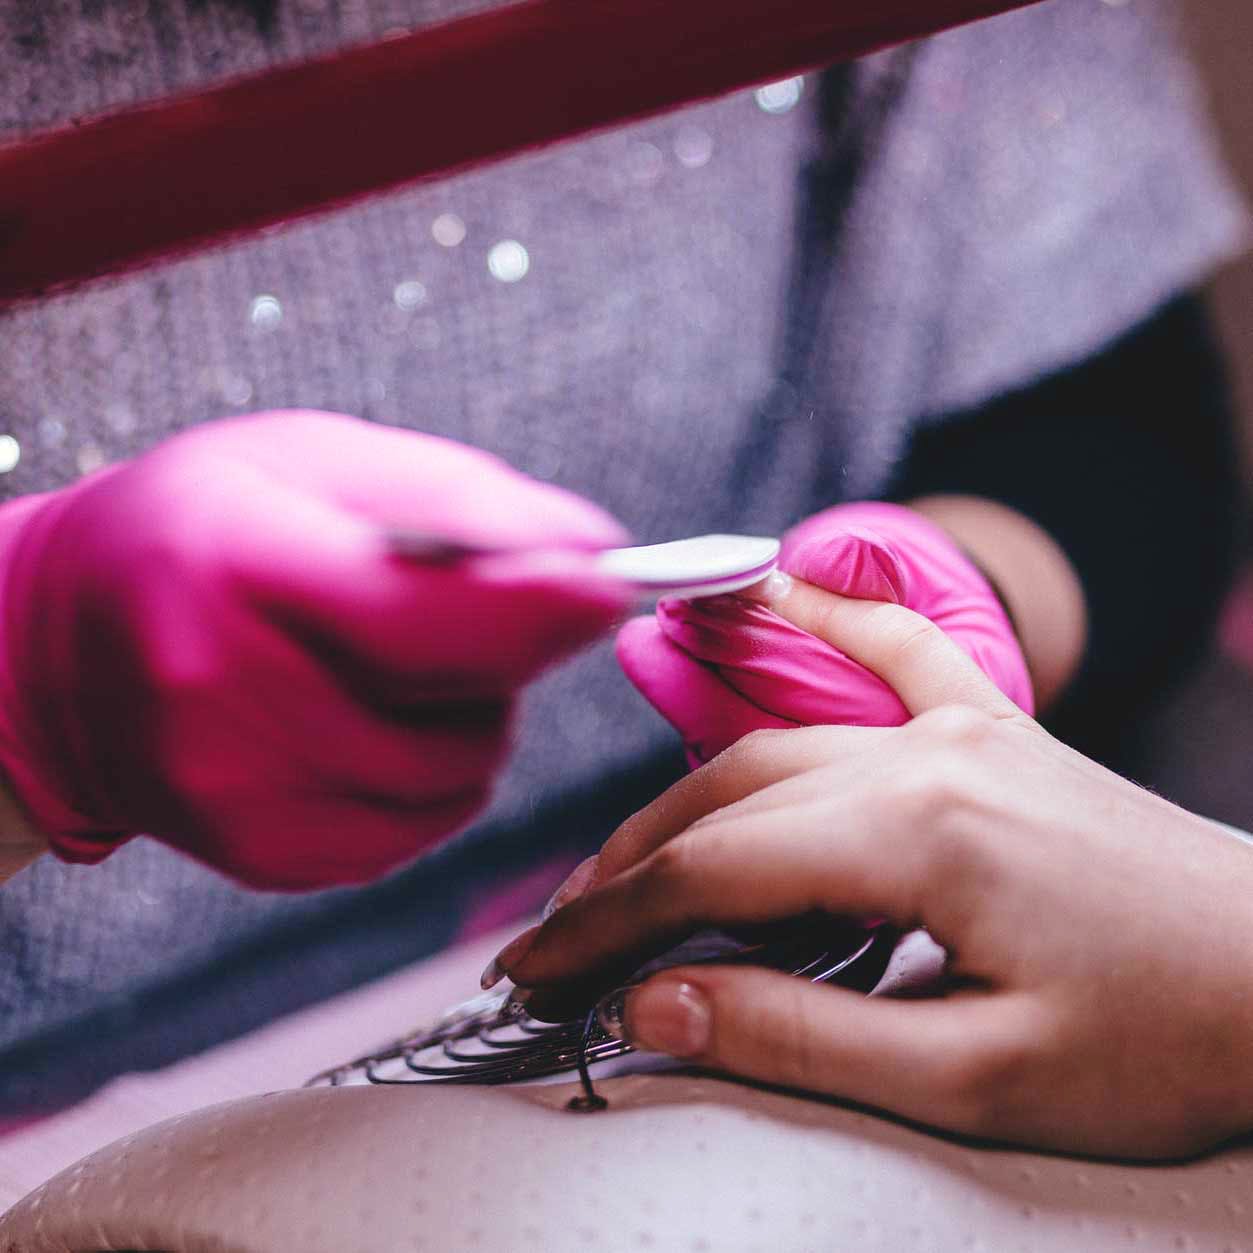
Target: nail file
pixel 705 565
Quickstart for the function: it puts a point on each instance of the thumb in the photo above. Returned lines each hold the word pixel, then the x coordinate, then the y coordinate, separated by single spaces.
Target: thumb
pixel 923 1060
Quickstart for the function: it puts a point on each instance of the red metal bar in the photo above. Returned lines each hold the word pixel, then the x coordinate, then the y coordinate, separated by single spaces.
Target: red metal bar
pixel 117 190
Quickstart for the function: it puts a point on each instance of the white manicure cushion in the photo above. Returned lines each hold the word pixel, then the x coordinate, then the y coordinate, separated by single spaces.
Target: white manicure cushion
pixel 676 1163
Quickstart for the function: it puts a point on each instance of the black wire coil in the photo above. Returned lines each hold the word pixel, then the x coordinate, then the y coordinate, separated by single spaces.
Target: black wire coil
pixel 491 1039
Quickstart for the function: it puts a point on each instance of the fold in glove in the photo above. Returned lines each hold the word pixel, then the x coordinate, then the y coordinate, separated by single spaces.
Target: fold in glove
pixel 213 644
pixel 717 669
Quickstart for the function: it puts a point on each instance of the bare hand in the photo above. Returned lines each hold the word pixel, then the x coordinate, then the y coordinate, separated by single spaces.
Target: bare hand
pixel 1100 938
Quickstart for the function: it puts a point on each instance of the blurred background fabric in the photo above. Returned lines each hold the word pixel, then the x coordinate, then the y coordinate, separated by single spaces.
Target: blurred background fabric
pixel 1220 33
pixel 1196 747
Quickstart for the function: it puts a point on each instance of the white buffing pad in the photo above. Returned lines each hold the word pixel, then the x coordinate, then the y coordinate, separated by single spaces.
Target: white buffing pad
pixel 707 565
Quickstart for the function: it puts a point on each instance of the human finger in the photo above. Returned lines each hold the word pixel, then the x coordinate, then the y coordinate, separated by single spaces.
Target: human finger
pixel 932 1061
pixel 698 880
pixel 906 650
pixel 777 666
pixel 747 771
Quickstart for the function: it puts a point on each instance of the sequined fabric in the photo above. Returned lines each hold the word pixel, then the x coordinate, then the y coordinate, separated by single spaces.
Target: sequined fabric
pixel 723 318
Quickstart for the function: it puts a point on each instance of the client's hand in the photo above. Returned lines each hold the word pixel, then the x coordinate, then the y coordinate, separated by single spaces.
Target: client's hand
pixel 213 644
pixel 719 668
pixel 1100 939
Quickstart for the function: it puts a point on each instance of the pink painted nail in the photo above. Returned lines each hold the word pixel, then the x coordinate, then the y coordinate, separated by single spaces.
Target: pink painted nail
pixel 576 883
pixel 507 958
pixel 662 1016
pixel 775 586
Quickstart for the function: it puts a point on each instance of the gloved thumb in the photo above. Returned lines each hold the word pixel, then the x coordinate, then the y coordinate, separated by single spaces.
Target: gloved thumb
pixel 707 712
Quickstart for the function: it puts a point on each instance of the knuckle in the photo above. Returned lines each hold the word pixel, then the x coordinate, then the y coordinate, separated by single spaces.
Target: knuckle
pixel 987 1086
pixel 751 757
pixel 763 742
pixel 930 791
pixel 807 1061
pixel 674 864
pixel 955 726
pixel 936 813
pixel 903 632
pixel 945 774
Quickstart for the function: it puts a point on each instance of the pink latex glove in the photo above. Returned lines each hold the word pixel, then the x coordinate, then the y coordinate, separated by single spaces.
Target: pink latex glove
pixel 719 668
pixel 213 645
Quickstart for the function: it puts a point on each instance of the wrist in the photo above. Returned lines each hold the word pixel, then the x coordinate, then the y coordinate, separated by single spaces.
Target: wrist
pixel 1031 576
pixel 994 586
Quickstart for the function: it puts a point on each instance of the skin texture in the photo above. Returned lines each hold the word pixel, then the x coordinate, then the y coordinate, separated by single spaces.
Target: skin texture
pixel 1100 953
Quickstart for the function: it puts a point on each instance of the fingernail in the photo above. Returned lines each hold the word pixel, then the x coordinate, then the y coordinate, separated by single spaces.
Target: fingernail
pixel 611 1014
pixel 775 586
pixel 507 958
pixel 663 1016
pixel 575 884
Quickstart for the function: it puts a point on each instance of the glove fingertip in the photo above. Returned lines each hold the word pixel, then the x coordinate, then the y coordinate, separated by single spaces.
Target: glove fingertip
pixel 646 656
pixel 852 560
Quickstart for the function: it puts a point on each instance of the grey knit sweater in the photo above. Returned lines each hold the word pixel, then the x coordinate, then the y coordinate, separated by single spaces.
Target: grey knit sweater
pixel 721 318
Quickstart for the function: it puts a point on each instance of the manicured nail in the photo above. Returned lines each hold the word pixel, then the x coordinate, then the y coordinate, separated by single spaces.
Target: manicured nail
pixel 662 1015
pixel 576 883
pixel 775 586
pixel 507 958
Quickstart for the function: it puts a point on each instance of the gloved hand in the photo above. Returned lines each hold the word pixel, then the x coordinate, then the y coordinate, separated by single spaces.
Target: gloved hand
pixel 719 668
pixel 212 644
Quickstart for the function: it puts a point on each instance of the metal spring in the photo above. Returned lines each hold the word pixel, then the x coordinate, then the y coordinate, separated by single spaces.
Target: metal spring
pixel 465 1045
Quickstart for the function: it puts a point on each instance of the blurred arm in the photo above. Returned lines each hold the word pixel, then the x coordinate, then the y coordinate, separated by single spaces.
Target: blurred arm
pixel 1126 465
pixel 1034 577
pixel 20 841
